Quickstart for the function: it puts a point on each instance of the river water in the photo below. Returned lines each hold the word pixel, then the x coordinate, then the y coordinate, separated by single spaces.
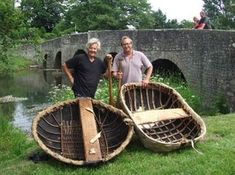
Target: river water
pixel 34 86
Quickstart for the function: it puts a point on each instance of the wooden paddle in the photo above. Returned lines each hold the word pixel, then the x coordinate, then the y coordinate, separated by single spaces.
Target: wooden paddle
pixel 119 75
pixel 109 62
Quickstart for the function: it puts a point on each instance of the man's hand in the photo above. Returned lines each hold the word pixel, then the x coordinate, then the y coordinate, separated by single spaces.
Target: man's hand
pixel 119 75
pixel 145 82
pixel 108 59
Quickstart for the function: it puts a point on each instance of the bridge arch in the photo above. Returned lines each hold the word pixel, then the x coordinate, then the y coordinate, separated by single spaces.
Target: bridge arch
pixel 44 63
pixel 165 66
pixel 58 59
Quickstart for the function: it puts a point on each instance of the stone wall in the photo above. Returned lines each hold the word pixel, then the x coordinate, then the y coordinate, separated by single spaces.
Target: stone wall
pixel 205 57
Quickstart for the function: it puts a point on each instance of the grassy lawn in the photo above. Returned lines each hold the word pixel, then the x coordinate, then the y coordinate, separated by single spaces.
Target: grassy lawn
pixel 218 157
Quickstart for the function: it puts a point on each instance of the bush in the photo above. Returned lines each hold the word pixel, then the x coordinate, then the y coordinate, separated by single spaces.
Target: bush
pixel 63 93
pixel 60 93
pixel 13 63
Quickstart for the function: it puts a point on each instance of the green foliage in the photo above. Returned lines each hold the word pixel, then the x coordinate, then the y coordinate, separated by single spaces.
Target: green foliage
pixel 13 141
pixel 60 93
pixel 173 24
pixel 219 105
pixel 63 92
pixel 48 36
pixel 159 19
pixel 10 20
pixel 41 13
pixel 221 13
pixel 136 13
pixel 37 20
pixel 161 22
pixel 14 63
pixel 61 28
pixel 101 15
pixel 102 92
pixel 31 34
pixel 187 24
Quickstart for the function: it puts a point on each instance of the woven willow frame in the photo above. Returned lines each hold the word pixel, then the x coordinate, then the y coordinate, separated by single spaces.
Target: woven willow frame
pixel 130 104
pixel 60 157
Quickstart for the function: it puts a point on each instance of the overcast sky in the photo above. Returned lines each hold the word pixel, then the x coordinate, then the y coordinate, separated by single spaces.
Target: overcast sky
pixel 178 9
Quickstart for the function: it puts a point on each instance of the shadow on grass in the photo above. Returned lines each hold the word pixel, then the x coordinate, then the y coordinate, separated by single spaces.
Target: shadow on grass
pixel 134 149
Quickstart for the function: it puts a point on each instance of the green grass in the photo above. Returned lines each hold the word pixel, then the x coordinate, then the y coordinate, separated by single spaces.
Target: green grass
pixel 218 157
pixel 13 64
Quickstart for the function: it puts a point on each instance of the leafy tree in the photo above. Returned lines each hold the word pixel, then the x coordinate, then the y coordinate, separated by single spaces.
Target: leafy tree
pixel 173 24
pixel 186 24
pixel 109 14
pixel 42 13
pixel 221 13
pixel 10 20
pixel 161 21
pixel 137 13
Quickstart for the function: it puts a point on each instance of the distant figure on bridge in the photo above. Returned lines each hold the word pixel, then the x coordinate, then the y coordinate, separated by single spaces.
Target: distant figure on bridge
pixel 204 22
pixel 87 70
pixel 129 64
pixel 195 23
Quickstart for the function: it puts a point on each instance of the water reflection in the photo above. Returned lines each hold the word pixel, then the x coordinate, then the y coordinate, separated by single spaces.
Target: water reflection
pixel 53 76
pixel 21 119
pixel 34 85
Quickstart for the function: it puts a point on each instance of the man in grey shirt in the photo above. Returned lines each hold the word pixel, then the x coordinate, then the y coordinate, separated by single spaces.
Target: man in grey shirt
pixel 129 64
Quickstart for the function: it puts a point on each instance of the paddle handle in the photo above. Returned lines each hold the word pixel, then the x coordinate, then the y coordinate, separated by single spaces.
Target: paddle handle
pixel 109 61
pixel 119 76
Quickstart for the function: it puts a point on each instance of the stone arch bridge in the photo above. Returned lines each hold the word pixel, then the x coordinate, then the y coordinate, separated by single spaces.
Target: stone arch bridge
pixel 206 58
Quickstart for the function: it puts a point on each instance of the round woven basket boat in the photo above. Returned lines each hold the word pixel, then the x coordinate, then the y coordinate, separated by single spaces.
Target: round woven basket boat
pixel 82 131
pixel 162 119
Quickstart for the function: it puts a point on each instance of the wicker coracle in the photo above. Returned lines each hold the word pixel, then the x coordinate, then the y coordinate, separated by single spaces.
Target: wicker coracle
pixel 162 119
pixel 82 131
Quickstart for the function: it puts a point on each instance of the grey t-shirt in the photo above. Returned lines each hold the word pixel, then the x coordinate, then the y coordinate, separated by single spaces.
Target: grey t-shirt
pixel 131 68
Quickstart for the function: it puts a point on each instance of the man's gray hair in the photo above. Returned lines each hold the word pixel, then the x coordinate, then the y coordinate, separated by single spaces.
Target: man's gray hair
pixel 93 41
pixel 125 37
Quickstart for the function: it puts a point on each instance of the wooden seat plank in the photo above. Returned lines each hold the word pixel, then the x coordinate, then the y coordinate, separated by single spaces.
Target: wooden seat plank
pixel 89 131
pixel 149 116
